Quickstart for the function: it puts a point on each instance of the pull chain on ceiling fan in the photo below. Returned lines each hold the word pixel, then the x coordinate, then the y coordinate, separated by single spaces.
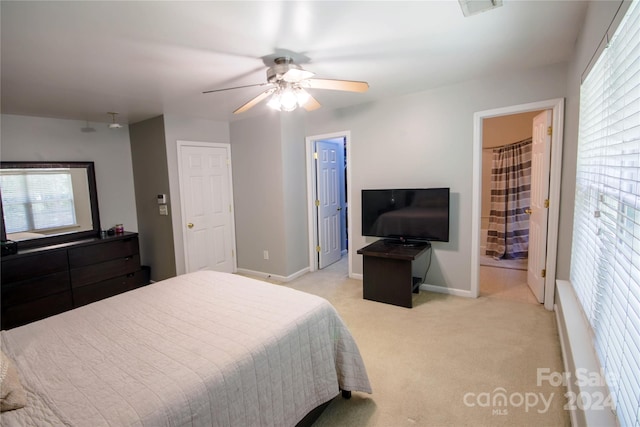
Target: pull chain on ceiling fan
pixel 287 82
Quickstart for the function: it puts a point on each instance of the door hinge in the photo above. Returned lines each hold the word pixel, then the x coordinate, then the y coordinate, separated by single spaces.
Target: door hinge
pixel 318 248
pixel 543 273
pixel 317 202
pixel 229 208
pixel 546 203
pixel 315 155
pixel 550 130
pixel 233 253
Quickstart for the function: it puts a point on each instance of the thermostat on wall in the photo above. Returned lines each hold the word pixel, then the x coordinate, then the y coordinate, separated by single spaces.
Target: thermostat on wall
pixel 162 199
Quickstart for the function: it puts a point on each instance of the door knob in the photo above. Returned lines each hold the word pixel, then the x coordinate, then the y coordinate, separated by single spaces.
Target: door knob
pixel 190 225
pixel 339 209
pixel 528 211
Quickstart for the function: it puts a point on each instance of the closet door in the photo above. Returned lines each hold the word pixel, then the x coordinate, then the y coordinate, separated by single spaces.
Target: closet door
pixel 205 188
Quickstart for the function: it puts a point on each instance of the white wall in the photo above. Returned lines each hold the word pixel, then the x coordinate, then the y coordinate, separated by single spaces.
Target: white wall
pixel 43 139
pixel 425 140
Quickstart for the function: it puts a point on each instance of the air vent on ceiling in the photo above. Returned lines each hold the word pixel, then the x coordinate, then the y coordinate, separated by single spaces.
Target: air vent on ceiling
pixel 472 7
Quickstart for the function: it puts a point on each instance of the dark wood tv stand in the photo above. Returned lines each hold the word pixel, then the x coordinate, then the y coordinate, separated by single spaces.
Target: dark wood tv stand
pixel 387 275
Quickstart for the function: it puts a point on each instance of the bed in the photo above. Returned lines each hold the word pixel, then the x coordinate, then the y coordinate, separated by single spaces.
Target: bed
pixel 201 349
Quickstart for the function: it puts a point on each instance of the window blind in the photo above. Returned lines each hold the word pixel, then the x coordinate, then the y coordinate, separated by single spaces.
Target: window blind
pixel 605 263
pixel 37 201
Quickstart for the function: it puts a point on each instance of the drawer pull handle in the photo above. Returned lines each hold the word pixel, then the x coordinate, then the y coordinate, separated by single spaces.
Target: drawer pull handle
pixel 131 274
pixel 127 258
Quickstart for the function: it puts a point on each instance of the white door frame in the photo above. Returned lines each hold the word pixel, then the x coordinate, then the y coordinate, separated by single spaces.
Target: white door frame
pixel 311 195
pixel 227 148
pixel 557 106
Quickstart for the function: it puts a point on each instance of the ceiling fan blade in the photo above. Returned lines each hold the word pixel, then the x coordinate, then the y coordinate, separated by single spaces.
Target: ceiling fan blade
pixel 348 85
pixel 237 87
pixel 254 101
pixel 311 104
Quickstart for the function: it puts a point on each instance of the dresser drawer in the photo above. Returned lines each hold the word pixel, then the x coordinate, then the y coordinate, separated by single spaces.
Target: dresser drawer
pixel 21 314
pixel 101 290
pixel 37 287
pixel 104 251
pixel 24 267
pixel 105 270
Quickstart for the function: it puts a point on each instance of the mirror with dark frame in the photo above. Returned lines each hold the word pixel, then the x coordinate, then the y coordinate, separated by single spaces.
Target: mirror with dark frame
pixel 45 203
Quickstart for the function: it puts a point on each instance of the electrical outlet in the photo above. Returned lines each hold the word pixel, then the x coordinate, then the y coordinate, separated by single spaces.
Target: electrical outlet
pixel 265 254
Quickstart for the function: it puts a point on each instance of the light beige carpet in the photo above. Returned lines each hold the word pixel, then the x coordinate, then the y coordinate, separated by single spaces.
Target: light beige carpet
pixel 448 361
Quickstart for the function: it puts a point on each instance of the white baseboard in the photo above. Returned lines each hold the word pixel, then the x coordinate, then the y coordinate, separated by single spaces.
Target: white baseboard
pixel 276 277
pixel 443 290
pixel 430 288
pixel 578 355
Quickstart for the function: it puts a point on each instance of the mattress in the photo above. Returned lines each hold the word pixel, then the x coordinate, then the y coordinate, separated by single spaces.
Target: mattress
pixel 201 349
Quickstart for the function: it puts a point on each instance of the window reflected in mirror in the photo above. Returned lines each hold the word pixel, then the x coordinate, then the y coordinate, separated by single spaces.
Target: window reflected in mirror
pixel 48 201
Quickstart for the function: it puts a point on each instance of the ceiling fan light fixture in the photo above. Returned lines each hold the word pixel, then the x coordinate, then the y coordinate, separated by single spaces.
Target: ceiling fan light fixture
pixel 287 82
pixel 274 102
pixel 295 75
pixel 302 96
pixel 288 98
pixel 114 124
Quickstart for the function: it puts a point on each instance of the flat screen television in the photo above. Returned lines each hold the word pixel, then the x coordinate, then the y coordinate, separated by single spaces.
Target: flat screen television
pixel 406 215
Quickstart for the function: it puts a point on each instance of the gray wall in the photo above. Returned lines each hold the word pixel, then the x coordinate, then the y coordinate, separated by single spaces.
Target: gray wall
pixel 294 188
pixel 269 176
pixel 422 139
pixel 151 177
pixel 258 194
pixel 425 140
pixel 44 139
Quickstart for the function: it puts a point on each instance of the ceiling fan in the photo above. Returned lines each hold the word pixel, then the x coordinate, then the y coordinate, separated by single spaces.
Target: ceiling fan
pixel 287 82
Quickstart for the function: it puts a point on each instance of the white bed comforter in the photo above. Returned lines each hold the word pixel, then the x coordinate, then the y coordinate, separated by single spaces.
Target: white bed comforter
pixel 200 349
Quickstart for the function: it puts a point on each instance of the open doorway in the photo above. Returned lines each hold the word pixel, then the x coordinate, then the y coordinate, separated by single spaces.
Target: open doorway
pixel 507 186
pixel 328 194
pixel 546 264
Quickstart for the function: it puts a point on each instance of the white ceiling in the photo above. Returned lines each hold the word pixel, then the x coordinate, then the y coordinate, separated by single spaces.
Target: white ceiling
pixel 80 60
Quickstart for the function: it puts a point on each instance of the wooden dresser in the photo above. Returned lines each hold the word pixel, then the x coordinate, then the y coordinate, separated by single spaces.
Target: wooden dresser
pixel 41 282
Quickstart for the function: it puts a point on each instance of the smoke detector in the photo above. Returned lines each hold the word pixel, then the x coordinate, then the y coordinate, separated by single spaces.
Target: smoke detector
pixel 114 124
pixel 472 7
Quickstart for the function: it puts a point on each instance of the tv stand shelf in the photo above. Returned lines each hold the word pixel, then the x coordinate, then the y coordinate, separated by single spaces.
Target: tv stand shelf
pixel 387 275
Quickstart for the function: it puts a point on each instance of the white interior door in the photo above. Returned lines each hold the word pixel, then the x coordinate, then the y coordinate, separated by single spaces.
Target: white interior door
pixel 205 187
pixel 329 169
pixel 540 165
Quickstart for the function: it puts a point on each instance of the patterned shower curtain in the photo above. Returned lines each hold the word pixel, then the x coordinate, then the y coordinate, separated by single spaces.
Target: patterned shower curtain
pixel 508 233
